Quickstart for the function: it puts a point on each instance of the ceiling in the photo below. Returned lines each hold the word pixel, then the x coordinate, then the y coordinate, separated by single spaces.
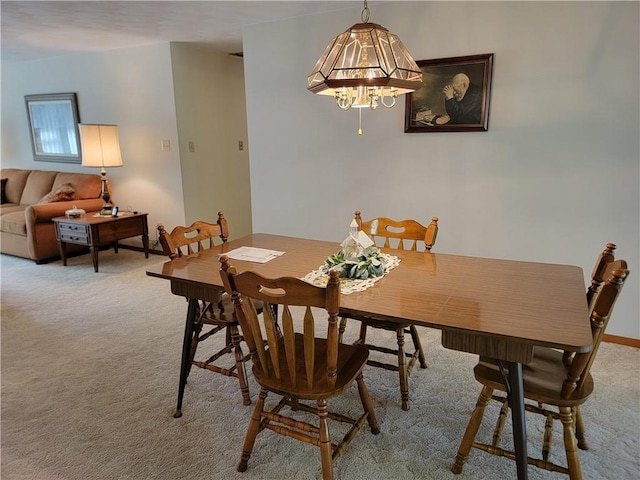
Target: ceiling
pixel 33 30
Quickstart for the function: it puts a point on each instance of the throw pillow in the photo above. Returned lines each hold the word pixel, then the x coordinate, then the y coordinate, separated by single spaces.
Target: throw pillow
pixel 64 193
pixel 4 194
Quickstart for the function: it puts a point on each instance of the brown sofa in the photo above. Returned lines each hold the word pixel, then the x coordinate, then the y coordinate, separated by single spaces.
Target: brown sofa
pixel 26 229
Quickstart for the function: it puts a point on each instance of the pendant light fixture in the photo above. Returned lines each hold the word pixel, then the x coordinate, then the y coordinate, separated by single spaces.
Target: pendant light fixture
pixel 365 66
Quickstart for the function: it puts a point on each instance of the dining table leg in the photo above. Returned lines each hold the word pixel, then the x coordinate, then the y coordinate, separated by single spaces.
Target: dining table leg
pixel 186 350
pixel 516 402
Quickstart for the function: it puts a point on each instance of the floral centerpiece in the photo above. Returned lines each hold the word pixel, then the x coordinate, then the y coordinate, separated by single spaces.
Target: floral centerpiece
pixel 359 258
pixel 359 263
pixel 368 264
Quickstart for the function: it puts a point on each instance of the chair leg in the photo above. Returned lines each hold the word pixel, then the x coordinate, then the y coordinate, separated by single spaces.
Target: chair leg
pixel 242 373
pixel 325 442
pixel 402 370
pixel 228 337
pixel 418 346
pixel 252 431
pixel 570 443
pixel 502 418
pixel 367 404
pixel 472 429
pixel 362 337
pixel 548 437
pixel 342 327
pixel 580 431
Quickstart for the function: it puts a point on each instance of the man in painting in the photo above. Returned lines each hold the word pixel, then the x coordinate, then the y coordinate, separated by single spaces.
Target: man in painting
pixel 463 101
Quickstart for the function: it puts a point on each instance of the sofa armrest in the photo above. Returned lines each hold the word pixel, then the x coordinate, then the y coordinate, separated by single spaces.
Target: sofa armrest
pixel 44 212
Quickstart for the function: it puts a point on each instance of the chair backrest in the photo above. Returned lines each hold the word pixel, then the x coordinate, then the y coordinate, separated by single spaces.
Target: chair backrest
pixel 198 236
pixel 614 274
pixel 285 356
pixel 597 276
pixel 383 229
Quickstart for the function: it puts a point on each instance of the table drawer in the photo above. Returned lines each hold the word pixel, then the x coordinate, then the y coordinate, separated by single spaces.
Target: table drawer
pixel 126 228
pixel 80 238
pixel 73 229
pixel 73 233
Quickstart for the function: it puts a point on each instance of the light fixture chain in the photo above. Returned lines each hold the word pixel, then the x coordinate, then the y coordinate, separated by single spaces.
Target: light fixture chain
pixel 365 13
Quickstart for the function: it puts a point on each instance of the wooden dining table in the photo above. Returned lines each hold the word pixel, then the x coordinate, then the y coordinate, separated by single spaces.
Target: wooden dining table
pixel 492 307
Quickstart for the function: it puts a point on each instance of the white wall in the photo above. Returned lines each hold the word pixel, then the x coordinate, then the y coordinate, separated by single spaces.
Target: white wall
pixel 211 113
pixel 554 178
pixel 132 88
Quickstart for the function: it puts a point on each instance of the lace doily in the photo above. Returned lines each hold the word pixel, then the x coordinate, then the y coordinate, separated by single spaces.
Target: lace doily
pixel 320 277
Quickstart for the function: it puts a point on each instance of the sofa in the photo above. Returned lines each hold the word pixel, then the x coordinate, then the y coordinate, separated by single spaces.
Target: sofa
pixel 31 198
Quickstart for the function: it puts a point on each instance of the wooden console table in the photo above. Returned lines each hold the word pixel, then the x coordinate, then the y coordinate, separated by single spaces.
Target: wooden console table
pixel 95 231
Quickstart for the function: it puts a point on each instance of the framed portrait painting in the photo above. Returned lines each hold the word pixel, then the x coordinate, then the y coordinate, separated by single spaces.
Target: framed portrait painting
pixel 454 97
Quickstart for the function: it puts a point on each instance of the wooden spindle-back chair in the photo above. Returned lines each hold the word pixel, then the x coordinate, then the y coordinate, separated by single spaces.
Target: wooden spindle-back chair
pixel 301 360
pixel 597 279
pixel 400 235
pixel 555 382
pixel 194 238
pixel 597 276
pixel 218 315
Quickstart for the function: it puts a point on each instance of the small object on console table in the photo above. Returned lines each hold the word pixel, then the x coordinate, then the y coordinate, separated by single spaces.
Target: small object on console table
pixel 74 212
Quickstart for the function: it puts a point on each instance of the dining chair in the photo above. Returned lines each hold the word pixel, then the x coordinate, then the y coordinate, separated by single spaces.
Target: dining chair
pixel 597 275
pixel 555 384
pixel 301 360
pixel 213 319
pixel 401 235
pixel 597 279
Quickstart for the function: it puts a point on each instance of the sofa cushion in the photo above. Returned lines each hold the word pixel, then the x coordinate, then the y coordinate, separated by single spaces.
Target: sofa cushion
pixel 14 222
pixel 64 193
pixel 16 179
pixel 87 185
pixel 3 196
pixel 39 183
pixel 11 207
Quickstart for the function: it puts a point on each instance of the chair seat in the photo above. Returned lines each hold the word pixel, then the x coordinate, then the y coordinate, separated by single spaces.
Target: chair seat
pixel 542 378
pixel 351 360
pixel 224 312
pixel 384 325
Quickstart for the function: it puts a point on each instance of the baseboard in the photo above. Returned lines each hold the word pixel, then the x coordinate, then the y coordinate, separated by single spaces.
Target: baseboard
pixel 629 342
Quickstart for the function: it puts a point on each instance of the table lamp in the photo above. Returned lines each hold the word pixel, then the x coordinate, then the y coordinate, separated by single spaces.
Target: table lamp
pixel 101 148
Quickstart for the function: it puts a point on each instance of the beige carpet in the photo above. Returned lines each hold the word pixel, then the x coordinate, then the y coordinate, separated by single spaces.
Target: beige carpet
pixel 90 365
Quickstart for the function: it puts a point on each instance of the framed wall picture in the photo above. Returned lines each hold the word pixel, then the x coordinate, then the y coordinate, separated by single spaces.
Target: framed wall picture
pixel 454 98
pixel 53 126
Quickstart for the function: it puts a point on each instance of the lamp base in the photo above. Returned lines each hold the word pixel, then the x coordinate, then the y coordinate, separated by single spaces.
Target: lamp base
pixel 106 209
pixel 107 206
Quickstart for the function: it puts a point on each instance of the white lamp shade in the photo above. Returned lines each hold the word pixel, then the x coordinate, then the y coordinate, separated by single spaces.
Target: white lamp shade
pixel 100 145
